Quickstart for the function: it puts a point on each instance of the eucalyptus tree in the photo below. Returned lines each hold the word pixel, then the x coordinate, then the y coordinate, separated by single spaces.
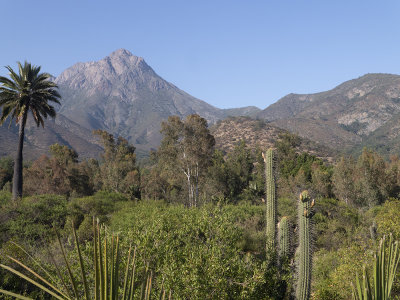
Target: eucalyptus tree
pixel 29 90
pixel 187 148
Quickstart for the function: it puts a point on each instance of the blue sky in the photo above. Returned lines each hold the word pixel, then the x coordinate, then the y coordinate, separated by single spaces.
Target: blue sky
pixel 228 53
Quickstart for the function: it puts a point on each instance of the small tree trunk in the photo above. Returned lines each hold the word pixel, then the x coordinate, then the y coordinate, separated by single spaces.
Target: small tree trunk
pixel 190 198
pixel 17 177
pixel 196 183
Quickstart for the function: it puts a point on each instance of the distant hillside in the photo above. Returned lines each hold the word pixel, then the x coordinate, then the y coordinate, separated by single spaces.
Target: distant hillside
pixel 258 133
pixel 248 111
pixel 122 94
pixel 119 93
pixel 359 112
pixel 38 139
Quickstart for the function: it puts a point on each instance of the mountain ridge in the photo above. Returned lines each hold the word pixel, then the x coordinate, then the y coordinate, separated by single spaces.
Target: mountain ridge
pixel 122 94
pixel 342 117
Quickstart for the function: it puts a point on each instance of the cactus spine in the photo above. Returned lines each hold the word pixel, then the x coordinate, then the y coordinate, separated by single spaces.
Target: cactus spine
pixel 270 191
pixel 283 238
pixel 305 205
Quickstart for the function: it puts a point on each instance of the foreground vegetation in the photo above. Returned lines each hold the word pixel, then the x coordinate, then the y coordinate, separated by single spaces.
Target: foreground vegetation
pixel 197 216
pixel 211 252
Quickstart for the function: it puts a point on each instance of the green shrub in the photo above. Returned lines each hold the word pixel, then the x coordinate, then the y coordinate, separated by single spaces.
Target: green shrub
pixel 33 217
pixel 335 270
pixel 5 197
pixel 101 205
pixel 335 223
pixel 199 251
pixel 102 280
pixel 387 218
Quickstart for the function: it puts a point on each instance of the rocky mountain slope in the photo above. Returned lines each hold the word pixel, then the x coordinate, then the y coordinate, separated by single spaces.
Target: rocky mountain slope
pixel 37 139
pixel 359 112
pixel 258 133
pixel 123 95
pixel 119 93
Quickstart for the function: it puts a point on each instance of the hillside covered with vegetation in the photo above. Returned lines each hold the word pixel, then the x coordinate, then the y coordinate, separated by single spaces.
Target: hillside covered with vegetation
pixel 197 215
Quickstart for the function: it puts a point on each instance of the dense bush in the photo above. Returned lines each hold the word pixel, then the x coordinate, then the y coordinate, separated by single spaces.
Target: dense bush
pixel 200 252
pixel 334 271
pixel 32 218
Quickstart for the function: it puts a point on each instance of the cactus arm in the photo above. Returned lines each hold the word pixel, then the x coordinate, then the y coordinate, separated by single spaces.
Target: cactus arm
pixel 283 238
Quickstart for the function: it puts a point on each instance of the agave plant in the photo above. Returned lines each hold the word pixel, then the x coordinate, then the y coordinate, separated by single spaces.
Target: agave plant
pixel 386 262
pixel 107 283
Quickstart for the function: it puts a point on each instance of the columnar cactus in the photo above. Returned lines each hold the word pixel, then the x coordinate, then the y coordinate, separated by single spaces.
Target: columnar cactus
pixel 270 191
pixel 303 252
pixel 304 255
pixel 283 238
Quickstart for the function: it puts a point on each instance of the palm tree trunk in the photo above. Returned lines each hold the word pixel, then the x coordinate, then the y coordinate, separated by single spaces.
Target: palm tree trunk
pixel 17 177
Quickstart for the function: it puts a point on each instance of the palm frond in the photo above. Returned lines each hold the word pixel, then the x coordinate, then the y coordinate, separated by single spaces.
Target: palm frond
pixel 29 90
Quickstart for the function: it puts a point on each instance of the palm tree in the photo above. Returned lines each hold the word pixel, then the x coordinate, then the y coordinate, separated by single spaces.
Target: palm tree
pixel 27 91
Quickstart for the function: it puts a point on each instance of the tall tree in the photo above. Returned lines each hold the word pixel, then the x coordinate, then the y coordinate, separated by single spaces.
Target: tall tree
pixel 343 180
pixel 373 183
pixel 188 147
pixel 27 91
pixel 60 174
pixel 231 175
pixel 118 170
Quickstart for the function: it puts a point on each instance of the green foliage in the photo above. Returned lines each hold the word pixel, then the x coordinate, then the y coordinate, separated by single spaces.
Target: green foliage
pixel 299 170
pixel 100 205
pixel 212 251
pixel 239 165
pixel 185 153
pixel 335 224
pixel 5 197
pixel 107 271
pixel 290 162
pixel 372 183
pixel 230 176
pixel 323 289
pixel 63 154
pixel 12 282
pixel 367 182
pixel 6 170
pixel 200 252
pixel 118 170
pixel 33 217
pixel 60 174
pixel 29 90
pixel 387 219
pixel 386 261
pixel 343 180
pixel 335 270
pixel 321 179
pixel 217 179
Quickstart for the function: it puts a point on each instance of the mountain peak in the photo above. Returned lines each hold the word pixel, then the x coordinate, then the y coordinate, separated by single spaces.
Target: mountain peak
pixel 122 53
pixel 119 63
pixel 124 61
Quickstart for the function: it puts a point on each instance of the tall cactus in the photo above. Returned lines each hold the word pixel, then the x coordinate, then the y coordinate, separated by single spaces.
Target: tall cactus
pixel 283 239
pixel 304 255
pixel 270 191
